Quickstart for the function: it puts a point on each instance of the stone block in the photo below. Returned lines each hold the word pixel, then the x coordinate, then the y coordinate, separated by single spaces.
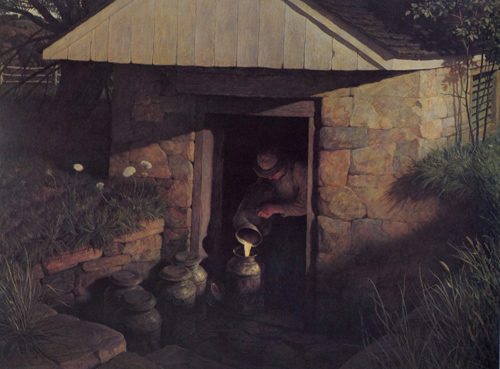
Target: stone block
pixel 334 235
pixel 409 115
pixel 368 180
pixel 346 205
pixel 183 148
pixel 176 234
pixel 179 194
pixel 378 203
pixel 324 198
pixel 178 218
pixel 364 114
pixel 431 129
pixel 338 138
pixel 420 211
pixel 375 160
pixel 70 259
pixel 113 248
pixel 449 126
pixel 143 245
pixel 337 111
pixel 433 108
pixel 429 83
pixel 148 255
pixel 155 155
pixel 149 228
pixel 367 231
pixel 333 167
pixel 406 85
pixel 395 229
pixel 181 168
pixel 388 109
pixel 105 263
pixel 389 136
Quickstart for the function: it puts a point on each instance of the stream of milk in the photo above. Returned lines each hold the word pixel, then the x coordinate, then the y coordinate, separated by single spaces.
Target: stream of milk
pixel 247 246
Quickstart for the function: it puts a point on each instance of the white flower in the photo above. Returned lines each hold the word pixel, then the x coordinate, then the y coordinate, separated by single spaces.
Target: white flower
pixel 48 172
pixel 146 164
pixel 78 167
pixel 128 171
pixel 99 185
pixel 144 174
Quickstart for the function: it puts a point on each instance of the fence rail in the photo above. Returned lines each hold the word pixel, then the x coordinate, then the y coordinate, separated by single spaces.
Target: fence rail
pixel 17 75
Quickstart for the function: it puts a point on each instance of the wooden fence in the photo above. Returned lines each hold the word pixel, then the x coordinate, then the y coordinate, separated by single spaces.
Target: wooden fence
pixel 16 75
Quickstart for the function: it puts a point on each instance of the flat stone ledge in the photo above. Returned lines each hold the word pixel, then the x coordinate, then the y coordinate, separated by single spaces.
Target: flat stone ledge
pixel 149 228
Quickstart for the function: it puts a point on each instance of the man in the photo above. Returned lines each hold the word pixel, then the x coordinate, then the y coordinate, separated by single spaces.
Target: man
pixel 283 207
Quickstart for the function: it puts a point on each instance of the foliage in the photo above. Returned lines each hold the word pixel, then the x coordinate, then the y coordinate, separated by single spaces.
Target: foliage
pixel 53 210
pixel 456 325
pixel 471 27
pixel 469 175
pixel 19 294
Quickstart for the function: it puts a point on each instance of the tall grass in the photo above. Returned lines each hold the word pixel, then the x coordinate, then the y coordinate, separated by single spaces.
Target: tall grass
pixel 456 326
pixel 19 295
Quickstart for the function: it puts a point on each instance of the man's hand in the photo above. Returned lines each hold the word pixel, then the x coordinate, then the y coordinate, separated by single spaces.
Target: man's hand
pixel 267 210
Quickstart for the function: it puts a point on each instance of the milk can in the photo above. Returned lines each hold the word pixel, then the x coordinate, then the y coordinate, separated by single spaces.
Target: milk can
pixel 120 282
pixel 141 321
pixel 177 295
pixel 199 275
pixel 243 282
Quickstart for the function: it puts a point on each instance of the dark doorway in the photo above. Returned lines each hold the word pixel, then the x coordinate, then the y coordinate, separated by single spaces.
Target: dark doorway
pixel 237 139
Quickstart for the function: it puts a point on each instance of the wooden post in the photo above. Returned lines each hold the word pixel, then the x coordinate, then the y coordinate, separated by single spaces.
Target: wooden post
pixel 202 190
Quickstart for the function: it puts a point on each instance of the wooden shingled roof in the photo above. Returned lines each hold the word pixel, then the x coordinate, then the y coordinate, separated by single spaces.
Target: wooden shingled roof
pixel 279 34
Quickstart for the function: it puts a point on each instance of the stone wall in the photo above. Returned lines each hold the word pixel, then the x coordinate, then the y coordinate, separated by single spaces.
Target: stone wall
pixel 76 276
pixel 368 138
pixel 152 122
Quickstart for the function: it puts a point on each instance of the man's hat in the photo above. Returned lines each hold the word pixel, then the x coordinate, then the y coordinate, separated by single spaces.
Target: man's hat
pixel 268 163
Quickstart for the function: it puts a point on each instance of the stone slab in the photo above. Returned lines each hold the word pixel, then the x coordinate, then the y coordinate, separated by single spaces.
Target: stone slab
pixel 148 229
pixel 105 262
pixel 70 259
pixel 176 357
pixel 129 360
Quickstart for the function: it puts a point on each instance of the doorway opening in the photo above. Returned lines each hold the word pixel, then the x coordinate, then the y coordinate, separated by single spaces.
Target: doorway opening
pixel 237 139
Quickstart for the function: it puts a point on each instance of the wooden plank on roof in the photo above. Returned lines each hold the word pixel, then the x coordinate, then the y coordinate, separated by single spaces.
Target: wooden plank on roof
pixel 204 52
pixel 84 28
pixel 143 28
pixel 319 48
pixel 60 55
pixel 271 33
pixel 226 33
pixel 80 50
pixel 364 64
pixel 248 33
pixel 120 36
pixel 344 58
pixel 186 22
pixel 165 39
pixel 99 48
pixel 295 39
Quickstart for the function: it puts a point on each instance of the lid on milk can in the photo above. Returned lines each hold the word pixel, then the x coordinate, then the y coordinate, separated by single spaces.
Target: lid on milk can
pixel 175 273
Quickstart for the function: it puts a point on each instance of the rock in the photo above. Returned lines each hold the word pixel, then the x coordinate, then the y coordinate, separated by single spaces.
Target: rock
pixel 78 344
pixel 337 111
pixel 156 156
pixel 148 255
pixel 388 136
pixel 368 180
pixel 333 167
pixel 180 193
pixel 181 168
pixel 367 231
pixel 334 235
pixel 105 262
pixel 84 280
pixel 113 248
pixel 176 357
pixel 59 283
pixel 431 129
pixel 366 358
pixel 279 354
pixel 129 360
pixel 148 228
pixel 373 160
pixel 70 259
pixel 41 312
pixel 178 218
pixel 184 148
pixel 449 126
pixel 346 205
pixel 433 108
pixel 143 245
pixel 379 204
pixel 338 138
pixel 117 162
pixel 364 114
